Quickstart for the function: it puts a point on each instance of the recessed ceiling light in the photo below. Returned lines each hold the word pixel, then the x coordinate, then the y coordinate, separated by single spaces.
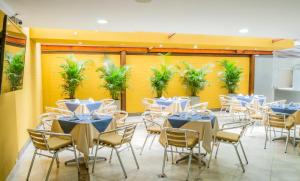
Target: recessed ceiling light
pixel 244 30
pixel 102 21
pixel 143 1
pixel 160 45
pixel 195 46
pixel 75 33
pixel 80 43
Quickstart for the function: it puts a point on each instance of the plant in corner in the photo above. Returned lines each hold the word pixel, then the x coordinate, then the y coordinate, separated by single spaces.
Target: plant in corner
pixel 72 75
pixel 115 78
pixel 161 77
pixel 194 79
pixel 231 76
pixel 15 69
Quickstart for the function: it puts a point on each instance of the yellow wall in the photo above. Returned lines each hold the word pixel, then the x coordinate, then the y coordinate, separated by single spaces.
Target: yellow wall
pixel 91 86
pixel 139 83
pixel 18 112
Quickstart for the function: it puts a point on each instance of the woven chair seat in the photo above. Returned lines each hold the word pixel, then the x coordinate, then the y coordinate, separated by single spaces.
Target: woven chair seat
pixel 228 136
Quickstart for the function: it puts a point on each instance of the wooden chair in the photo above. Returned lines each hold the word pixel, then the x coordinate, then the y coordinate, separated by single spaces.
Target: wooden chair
pixel 53 143
pixel 179 138
pixel 50 115
pixel 279 120
pixel 224 136
pixel 115 139
pixel 153 124
pixel 150 105
pixel 120 118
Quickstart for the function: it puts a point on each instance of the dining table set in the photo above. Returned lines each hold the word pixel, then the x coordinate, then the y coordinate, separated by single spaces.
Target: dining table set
pixel 84 123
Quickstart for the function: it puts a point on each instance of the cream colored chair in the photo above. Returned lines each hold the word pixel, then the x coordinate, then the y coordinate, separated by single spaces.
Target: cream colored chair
pixel 53 143
pixel 153 123
pixel 256 115
pixel 199 107
pixel 237 110
pixel 225 105
pixel 108 106
pixel 115 139
pixel 120 118
pixel 52 114
pixel 225 136
pixel 179 138
pixel 282 121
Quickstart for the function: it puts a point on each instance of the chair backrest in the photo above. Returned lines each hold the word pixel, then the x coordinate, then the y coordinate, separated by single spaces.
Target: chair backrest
pixel 275 119
pixel 120 117
pixel 38 139
pixel 176 137
pixel 150 105
pixel 58 111
pixel 152 119
pixel 107 102
pixel 199 106
pixel 128 133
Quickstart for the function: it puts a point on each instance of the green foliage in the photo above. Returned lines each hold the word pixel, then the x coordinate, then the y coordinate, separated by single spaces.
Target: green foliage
pixel 114 77
pixel 231 75
pixel 194 79
pixel 15 69
pixel 161 77
pixel 72 75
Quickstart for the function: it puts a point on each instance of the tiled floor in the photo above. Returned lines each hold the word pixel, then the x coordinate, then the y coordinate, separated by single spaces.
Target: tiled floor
pixel 264 165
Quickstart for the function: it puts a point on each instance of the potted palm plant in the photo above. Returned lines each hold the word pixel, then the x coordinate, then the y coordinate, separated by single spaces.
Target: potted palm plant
pixel 115 79
pixel 231 76
pixel 194 80
pixel 72 74
pixel 15 69
pixel 161 77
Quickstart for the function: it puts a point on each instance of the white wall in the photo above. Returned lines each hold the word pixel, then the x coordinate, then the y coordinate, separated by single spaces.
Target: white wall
pixel 263 80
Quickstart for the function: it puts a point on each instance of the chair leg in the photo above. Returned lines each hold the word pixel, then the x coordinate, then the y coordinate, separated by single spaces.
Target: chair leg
pixel 164 164
pixel 132 151
pixel 266 139
pixel 294 141
pixel 152 142
pixel 110 157
pixel 75 154
pixel 172 155
pixel 48 174
pixel 244 152
pixel 274 132
pixel 217 150
pixel 189 164
pixel 212 150
pixel 97 148
pixel 57 160
pixel 30 168
pixel 144 143
pixel 287 141
pixel 125 174
pixel 237 152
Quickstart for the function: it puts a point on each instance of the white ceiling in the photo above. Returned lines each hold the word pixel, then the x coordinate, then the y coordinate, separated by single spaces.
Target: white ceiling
pixel 263 18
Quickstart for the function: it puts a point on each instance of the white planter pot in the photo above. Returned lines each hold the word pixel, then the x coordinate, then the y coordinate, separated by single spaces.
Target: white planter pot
pixel 194 100
pixel 118 104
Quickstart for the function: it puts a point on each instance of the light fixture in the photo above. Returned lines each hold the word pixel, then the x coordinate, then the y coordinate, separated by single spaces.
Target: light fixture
pixel 143 1
pixel 102 21
pixel 80 43
pixel 195 46
pixel 75 33
pixel 243 30
pixel 160 45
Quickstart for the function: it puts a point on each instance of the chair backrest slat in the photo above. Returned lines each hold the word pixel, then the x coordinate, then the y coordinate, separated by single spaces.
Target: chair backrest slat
pixel 128 133
pixel 38 139
pixel 176 137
